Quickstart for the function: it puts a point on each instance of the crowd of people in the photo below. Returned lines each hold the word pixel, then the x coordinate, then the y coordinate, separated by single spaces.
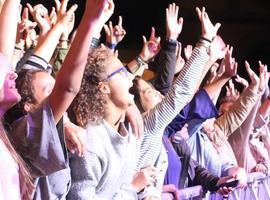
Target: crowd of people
pixel 77 123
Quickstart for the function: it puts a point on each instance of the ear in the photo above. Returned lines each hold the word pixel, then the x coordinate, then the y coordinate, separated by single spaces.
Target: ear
pixel 27 107
pixel 104 88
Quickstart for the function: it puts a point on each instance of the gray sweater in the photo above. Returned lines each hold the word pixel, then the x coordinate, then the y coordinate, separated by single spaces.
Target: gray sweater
pixel 107 169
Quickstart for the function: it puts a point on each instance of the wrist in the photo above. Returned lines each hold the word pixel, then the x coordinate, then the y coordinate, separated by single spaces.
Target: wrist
pixel 111 45
pixel 207 37
pixel 143 57
pixel 172 36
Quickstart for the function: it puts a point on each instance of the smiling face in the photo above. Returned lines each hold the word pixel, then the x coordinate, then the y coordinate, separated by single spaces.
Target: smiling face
pixel 9 94
pixel 149 97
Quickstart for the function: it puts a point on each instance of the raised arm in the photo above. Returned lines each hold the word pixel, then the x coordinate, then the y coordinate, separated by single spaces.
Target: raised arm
pixel 213 89
pixel 150 49
pixel 232 119
pixel 8 27
pixel 167 56
pixel 47 43
pixel 114 34
pixel 70 75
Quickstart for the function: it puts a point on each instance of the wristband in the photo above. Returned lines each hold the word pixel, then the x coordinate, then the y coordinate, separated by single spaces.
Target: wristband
pixel 206 39
pixel 111 45
pixel 94 43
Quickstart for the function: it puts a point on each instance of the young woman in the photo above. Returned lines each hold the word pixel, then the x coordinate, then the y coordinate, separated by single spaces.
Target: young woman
pixel 113 154
pixel 15 181
pixel 35 135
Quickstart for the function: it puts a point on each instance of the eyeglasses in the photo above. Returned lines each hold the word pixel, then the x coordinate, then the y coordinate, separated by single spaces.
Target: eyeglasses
pixel 122 70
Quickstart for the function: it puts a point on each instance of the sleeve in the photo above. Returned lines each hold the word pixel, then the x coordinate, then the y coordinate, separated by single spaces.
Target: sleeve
pixel 59 58
pixel 85 180
pixel 40 142
pixel 178 96
pixel 200 107
pixel 227 123
pixel 35 62
pixel 156 120
pixel 204 178
pixel 167 63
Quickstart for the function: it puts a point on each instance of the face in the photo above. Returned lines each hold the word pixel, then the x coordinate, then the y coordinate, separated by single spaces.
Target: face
pixel 119 83
pixel 9 95
pixel 43 84
pixel 148 95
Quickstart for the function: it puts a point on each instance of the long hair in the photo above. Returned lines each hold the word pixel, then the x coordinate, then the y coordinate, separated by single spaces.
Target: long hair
pixel 26 184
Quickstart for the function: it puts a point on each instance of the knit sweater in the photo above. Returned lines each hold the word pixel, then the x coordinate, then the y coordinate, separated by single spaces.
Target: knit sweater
pixel 108 167
pixel 156 120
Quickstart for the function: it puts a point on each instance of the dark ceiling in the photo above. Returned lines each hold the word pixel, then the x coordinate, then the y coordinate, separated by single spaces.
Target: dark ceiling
pixel 245 23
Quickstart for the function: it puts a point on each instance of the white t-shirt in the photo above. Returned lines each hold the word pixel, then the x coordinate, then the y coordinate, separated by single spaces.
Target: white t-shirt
pixel 9 175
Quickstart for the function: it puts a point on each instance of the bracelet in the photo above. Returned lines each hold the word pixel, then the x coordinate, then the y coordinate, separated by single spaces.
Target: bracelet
pixel 111 45
pixel 18 48
pixel 94 43
pixel 206 39
pixel 63 40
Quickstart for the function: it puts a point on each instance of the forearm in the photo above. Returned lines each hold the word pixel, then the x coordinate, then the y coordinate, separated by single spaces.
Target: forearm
pixel 8 27
pixel 70 75
pixel 137 66
pixel 264 109
pixel 167 61
pixel 213 89
pixel 231 120
pixel 204 178
pixel 47 43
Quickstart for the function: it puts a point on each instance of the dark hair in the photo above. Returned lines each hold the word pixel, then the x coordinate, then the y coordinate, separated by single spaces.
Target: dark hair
pixel 90 103
pixel 24 85
pixel 135 90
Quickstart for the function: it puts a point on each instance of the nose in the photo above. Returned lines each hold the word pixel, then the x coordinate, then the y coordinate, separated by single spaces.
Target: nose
pixel 13 75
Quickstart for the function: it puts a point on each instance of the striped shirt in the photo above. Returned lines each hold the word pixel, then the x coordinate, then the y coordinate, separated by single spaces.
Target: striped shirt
pixel 156 120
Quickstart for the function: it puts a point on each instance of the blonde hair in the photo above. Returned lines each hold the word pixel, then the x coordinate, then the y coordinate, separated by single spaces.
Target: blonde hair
pixel 26 184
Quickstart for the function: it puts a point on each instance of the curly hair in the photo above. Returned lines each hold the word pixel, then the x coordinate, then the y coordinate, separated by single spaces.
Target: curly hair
pixel 90 103
pixel 24 84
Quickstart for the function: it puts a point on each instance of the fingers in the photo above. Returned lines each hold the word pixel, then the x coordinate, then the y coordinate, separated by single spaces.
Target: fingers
pixel 72 9
pixel 120 21
pixel 144 39
pixel 153 33
pixel 57 5
pixel 31 9
pixel 75 137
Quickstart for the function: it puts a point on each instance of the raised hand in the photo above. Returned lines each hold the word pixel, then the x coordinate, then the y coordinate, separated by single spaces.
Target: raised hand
pixel 114 34
pixel 264 77
pixel 40 15
pixel 218 49
pixel 173 24
pixel 144 177
pixel 230 66
pixel 24 27
pixel 209 30
pixel 242 81
pixel 255 80
pixel 231 91
pixel 151 47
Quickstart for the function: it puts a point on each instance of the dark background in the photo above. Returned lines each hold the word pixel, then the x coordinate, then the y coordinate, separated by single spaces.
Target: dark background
pixel 245 24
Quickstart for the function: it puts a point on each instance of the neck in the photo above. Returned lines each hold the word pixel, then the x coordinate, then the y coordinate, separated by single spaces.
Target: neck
pixel 2 112
pixel 115 115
